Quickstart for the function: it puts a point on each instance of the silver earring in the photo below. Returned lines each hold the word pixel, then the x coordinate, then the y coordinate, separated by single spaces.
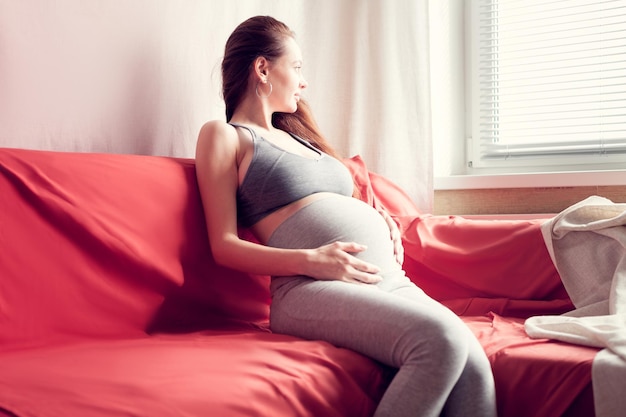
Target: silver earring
pixel 256 90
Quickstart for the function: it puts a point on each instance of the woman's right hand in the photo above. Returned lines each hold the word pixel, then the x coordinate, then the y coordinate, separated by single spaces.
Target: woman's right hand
pixel 336 262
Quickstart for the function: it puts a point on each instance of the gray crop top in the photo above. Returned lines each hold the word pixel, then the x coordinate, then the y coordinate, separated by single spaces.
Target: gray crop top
pixel 276 178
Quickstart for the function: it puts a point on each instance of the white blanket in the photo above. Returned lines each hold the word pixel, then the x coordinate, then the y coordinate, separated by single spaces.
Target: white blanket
pixel 587 243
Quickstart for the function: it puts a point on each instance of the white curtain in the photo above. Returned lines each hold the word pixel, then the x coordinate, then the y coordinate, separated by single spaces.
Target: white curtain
pixel 142 76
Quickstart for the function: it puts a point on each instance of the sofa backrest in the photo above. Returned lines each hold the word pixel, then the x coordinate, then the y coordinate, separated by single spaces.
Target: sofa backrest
pixel 103 245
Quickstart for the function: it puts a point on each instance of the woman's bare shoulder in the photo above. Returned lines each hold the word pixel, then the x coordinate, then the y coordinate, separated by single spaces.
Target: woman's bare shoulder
pixel 218 134
pixel 218 129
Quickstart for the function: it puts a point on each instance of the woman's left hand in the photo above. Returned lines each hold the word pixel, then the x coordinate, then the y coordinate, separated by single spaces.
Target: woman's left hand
pixel 395 235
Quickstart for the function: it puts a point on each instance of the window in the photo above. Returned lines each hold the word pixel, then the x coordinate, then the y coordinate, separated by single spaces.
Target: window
pixel 548 81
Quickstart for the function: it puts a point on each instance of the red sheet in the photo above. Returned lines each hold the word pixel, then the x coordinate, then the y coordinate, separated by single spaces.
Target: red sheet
pixel 99 251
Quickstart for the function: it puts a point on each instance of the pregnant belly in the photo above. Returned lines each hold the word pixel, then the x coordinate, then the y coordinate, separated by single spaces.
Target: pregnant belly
pixel 338 218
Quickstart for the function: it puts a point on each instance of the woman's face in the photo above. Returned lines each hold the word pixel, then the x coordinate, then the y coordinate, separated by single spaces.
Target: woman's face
pixel 287 80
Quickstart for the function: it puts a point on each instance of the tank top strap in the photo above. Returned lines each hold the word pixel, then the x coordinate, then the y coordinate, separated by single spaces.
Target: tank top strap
pixel 252 132
pixel 296 137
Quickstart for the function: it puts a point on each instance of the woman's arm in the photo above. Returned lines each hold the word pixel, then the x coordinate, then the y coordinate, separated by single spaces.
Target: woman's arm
pixel 216 168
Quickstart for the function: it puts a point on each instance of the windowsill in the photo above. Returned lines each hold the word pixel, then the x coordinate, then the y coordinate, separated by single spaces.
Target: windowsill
pixel 531 180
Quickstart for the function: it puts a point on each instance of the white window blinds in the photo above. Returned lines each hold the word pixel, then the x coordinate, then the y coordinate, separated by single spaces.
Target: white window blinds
pixel 550 79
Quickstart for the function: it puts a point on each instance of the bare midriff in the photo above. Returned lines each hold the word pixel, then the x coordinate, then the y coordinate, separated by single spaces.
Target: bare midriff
pixel 264 228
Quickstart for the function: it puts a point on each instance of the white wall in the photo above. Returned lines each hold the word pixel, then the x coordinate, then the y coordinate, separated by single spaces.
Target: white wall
pixel 447 45
pixel 142 76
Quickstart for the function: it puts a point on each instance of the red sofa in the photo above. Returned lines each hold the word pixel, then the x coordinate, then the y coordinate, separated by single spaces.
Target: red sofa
pixel 110 303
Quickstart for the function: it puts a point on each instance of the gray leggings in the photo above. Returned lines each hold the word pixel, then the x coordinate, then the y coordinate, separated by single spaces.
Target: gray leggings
pixel 442 369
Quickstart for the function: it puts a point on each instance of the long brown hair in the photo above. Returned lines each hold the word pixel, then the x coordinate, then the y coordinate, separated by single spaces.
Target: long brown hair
pixel 264 36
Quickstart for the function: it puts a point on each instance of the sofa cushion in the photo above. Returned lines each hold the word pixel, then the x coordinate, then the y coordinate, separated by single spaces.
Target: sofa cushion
pixel 479 266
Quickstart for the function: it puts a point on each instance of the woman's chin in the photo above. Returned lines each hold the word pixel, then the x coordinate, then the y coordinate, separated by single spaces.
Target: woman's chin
pixel 291 109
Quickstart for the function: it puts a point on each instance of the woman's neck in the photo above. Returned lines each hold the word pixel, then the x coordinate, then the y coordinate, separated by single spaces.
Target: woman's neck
pixel 253 114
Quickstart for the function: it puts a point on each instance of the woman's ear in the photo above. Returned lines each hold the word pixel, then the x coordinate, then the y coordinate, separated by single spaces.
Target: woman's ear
pixel 261 67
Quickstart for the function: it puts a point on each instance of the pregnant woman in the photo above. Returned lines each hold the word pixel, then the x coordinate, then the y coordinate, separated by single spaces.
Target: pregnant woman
pixel 335 261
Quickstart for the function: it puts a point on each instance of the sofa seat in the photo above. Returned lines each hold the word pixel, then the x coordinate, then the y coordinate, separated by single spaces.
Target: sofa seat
pixel 210 373
pixel 522 366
